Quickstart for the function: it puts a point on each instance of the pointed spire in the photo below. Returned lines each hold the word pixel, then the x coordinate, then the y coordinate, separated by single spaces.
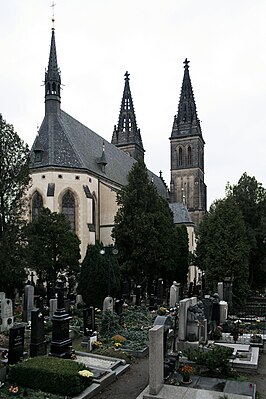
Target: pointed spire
pixel 126 134
pixel 186 121
pixel 52 79
pixel 102 160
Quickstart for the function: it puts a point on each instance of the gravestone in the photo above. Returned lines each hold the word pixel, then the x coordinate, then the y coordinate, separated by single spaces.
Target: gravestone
pixel 16 344
pixel 220 289
pixel 52 307
pixel 215 318
pixel 38 344
pixel 138 295
pixel 125 289
pixel 156 359
pixel 28 302
pixel 228 292
pixel 6 316
pixel 174 294
pixel 119 306
pixel 88 321
pixel 152 302
pixel 167 323
pixel 79 300
pixel 184 304
pixel 108 304
pixel 61 344
pixel 160 291
pixel 223 311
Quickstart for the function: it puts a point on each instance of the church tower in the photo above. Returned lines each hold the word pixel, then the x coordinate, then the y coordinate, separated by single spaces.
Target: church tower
pixel 126 135
pixel 187 154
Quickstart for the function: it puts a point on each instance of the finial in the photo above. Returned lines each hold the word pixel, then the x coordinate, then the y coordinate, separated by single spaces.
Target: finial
pixel 53 19
pixel 161 174
pixel 186 62
pixel 103 146
pixel 127 76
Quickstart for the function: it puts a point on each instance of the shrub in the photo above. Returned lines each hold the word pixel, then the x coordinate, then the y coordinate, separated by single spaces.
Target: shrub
pixel 110 324
pixel 216 358
pixel 50 374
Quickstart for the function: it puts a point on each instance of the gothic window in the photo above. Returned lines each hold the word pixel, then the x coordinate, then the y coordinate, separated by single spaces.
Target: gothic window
pixel 68 208
pixel 36 204
pixel 189 156
pixel 180 157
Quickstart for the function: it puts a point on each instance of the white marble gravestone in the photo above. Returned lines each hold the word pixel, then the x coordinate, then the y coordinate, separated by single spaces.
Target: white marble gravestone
pixel 174 294
pixel 6 314
pixel 108 304
pixel 183 308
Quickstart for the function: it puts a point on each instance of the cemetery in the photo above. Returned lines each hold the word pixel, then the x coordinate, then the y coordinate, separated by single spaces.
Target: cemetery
pixel 63 348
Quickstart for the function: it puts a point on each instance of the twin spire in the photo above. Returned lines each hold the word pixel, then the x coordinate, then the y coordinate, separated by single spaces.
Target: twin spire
pixel 126 135
pixel 186 121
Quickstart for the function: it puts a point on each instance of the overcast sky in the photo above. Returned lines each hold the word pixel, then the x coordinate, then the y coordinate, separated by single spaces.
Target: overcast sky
pixel 99 40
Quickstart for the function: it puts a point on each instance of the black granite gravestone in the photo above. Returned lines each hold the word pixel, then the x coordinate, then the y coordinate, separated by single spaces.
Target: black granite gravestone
pixel 38 344
pixel 61 344
pixel 88 321
pixel 16 344
pixel 138 295
pixel 160 291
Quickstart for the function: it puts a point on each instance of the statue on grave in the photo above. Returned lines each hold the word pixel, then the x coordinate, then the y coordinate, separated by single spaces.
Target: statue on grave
pixel 174 294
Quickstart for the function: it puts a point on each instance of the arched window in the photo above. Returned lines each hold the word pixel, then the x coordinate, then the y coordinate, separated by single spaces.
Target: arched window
pixel 180 157
pixel 68 209
pixel 189 156
pixel 36 204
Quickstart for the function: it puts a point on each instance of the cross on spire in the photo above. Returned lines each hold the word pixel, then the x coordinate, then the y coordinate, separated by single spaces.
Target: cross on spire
pixel 53 19
pixel 127 76
pixel 186 62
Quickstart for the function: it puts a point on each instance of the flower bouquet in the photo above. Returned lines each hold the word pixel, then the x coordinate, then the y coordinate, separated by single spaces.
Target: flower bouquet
pixel 186 371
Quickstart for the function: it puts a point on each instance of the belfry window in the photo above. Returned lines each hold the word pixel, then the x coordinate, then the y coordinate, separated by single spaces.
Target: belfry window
pixel 180 157
pixel 36 204
pixel 68 209
pixel 189 156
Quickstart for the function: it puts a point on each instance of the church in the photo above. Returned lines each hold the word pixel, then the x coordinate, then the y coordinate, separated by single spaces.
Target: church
pixel 77 172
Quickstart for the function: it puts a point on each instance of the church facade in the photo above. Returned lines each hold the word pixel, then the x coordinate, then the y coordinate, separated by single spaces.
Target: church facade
pixel 77 172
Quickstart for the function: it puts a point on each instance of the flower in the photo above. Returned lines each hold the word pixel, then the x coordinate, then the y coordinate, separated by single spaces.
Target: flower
pixel 13 389
pixel 186 370
pixel 118 338
pixel 96 344
pixel 117 344
pixel 86 373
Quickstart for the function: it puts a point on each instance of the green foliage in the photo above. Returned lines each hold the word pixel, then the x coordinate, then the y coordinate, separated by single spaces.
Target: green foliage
pixel 52 247
pixel 250 197
pixel 99 275
pixel 14 179
pixel 216 358
pixel 144 232
pixel 223 248
pixel 110 324
pixel 50 374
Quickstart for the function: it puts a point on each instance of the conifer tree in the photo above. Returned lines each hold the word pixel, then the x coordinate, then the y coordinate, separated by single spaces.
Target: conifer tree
pixel 144 231
pixel 14 179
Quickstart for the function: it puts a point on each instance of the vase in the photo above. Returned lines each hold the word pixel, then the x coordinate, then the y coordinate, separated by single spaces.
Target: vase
pixel 186 379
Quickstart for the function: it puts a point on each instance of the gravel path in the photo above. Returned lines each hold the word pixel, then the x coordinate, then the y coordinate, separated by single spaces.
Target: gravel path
pixel 129 385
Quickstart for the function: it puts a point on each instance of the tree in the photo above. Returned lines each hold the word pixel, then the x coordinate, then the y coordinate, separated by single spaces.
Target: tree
pixel 144 231
pixel 99 276
pixel 52 249
pixel 14 179
pixel 250 197
pixel 222 248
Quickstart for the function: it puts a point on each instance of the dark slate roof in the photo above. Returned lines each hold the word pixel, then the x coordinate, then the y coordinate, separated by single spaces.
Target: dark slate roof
pixel 181 214
pixel 67 143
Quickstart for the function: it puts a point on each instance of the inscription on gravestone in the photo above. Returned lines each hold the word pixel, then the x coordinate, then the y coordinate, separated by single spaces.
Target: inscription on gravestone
pixel 88 321
pixel 16 344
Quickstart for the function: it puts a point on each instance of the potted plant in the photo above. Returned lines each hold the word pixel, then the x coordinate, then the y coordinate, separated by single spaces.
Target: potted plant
pixel 186 371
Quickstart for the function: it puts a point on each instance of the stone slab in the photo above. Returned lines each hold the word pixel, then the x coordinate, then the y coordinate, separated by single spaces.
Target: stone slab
pixel 173 392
